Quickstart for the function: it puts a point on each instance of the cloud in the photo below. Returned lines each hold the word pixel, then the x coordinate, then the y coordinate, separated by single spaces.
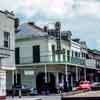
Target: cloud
pixel 80 16
pixel 10 4
pixel 50 8
pixel 88 8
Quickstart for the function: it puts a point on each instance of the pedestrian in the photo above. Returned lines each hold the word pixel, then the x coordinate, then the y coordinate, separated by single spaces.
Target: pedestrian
pixel 61 86
pixel 13 90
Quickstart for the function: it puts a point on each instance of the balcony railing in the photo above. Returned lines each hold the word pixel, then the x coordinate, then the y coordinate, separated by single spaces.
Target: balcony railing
pixel 50 59
pixel 91 63
pixel 77 61
pixel 4 52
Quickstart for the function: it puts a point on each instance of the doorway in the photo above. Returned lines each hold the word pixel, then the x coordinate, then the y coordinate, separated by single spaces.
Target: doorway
pixel 40 82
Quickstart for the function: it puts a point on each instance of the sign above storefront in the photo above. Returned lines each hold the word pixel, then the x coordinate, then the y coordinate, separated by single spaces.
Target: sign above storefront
pixel 28 72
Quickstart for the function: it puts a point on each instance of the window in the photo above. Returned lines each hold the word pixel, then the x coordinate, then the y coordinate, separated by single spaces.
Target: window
pixel 82 55
pixel 17 55
pixel 79 55
pixel 53 49
pixel 72 53
pixel 68 52
pixel 68 55
pixel 64 57
pixel 76 54
pixel 7 39
pixel 53 52
pixel 36 54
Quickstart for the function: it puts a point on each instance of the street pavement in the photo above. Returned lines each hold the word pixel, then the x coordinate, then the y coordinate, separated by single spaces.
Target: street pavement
pixel 58 97
pixel 51 97
pixel 87 94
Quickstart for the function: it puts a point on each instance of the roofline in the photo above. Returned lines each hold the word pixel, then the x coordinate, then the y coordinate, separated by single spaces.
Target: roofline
pixel 93 52
pixel 37 27
pixel 31 37
pixel 3 12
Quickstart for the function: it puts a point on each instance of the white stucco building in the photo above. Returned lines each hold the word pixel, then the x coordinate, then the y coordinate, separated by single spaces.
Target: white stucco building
pixel 7 48
pixel 38 60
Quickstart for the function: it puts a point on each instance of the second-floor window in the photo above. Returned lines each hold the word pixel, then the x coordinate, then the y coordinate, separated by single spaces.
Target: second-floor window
pixel 72 53
pixel 17 55
pixel 68 55
pixel 53 52
pixel 36 54
pixel 64 56
pixel 7 39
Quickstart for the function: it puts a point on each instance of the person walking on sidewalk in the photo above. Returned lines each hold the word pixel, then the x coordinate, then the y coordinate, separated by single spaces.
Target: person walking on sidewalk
pixel 61 86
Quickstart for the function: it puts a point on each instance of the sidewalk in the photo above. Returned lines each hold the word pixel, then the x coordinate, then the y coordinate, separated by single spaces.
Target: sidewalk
pixel 50 97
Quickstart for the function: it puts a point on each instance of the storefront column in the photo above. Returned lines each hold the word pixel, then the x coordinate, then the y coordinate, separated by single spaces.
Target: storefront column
pixel 16 76
pixel 57 81
pixel 85 74
pixel 77 74
pixel 45 73
pixel 72 84
pixel 13 71
pixel 46 80
pixel 57 78
pixel 66 74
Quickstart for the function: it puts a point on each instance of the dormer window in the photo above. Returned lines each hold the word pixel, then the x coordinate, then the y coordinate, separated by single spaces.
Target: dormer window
pixel 6 39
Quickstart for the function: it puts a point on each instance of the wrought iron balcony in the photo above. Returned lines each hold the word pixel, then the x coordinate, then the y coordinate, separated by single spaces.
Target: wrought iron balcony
pixel 91 63
pixel 51 60
pixel 76 60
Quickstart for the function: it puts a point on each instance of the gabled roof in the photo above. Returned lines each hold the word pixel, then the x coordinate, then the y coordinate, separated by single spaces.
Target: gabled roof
pixel 29 30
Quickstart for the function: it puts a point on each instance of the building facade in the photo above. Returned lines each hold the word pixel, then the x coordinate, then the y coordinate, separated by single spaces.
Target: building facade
pixel 49 56
pixel 93 61
pixel 7 48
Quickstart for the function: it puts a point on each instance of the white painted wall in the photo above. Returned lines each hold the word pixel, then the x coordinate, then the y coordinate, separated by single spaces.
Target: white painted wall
pixel 8 62
pixel 75 46
pixel 7 24
pixel 26 50
pixel 64 45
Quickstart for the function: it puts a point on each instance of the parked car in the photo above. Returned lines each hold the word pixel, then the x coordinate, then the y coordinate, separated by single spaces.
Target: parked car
pixel 95 86
pixel 84 85
pixel 25 90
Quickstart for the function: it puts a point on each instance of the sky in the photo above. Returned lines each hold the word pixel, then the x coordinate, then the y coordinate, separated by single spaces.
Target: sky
pixel 82 17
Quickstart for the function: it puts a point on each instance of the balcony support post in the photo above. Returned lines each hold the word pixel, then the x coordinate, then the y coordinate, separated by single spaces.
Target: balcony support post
pixel 77 74
pixel 46 80
pixel 66 74
pixel 57 78
pixel 85 74
pixel 45 73
pixel 16 76
pixel 57 81
pixel 13 71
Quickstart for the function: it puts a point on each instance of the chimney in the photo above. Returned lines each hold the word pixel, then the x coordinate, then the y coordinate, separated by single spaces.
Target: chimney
pixel 31 23
pixel 16 23
pixel 45 29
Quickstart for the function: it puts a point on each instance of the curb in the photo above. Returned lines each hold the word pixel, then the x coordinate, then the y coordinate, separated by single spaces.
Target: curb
pixel 74 92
